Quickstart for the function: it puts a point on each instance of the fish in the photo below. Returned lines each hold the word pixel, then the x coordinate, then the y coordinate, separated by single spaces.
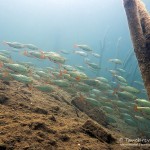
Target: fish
pixel 30 46
pixel 121 70
pixel 123 110
pixel 68 67
pixel 120 78
pixel 16 45
pixel 96 92
pixel 139 83
pixel 17 68
pixel 5 53
pixel 119 103
pixel 130 122
pixel 142 102
pixel 55 57
pixel 102 79
pixel 61 83
pixel 42 74
pixel 113 72
pixel 81 53
pixel 82 87
pixel 92 82
pixel 64 52
pixel 27 64
pixel 93 65
pixel 68 77
pixel 5 76
pixel 145 110
pixel 4 59
pixel 130 89
pixel 92 101
pixel 107 109
pixel 36 77
pixel 22 78
pixel 35 54
pixel 116 61
pixel 125 116
pixel 110 119
pixel 78 75
pixel 104 86
pixel 80 68
pixel 83 47
pixel 45 88
pixel 126 95
pixel 96 55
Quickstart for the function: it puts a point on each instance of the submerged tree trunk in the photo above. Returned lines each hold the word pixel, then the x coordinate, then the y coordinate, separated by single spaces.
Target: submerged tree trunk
pixel 139 25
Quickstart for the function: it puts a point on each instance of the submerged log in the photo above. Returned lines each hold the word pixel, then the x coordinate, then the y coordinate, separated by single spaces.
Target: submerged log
pixel 139 25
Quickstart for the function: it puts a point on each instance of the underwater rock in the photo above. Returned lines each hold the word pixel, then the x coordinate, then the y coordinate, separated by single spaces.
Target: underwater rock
pixel 55 109
pixel 91 111
pixel 52 142
pixel 96 131
pixel 3 98
pixel 6 82
pixel 64 137
pixel 41 126
pixel 3 147
pixel 84 148
pixel 40 111
pixel 52 118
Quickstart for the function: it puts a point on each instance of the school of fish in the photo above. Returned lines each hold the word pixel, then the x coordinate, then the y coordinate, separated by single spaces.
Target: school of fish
pixel 115 97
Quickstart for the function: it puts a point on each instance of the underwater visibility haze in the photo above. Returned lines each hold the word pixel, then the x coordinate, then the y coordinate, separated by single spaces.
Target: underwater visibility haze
pixel 82 47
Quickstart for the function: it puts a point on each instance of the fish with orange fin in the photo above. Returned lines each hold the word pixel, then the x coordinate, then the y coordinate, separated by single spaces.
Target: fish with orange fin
pixel 62 72
pixel 17 68
pixel 15 45
pixel 135 108
pixel 69 68
pixel 30 87
pixel 78 78
pixel 36 54
pixel 31 46
pixel 78 75
pixel 25 53
pixel 1 64
pixel 116 89
pixel 55 57
pixel 45 88
pixel 42 56
pixel 81 97
pixel 4 59
pixel 126 95
pixel 144 110
pixel 5 74
pixel 22 78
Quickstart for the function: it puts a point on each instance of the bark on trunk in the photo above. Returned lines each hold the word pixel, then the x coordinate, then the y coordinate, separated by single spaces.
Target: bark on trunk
pixel 139 25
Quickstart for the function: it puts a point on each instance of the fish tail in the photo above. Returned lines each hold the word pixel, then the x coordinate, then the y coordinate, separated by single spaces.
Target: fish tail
pixel 25 53
pixel 42 56
pixel 5 74
pixel 60 73
pixel 78 78
pixel 4 43
pixel 116 90
pixel 135 108
pixel 75 46
pixel 1 64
